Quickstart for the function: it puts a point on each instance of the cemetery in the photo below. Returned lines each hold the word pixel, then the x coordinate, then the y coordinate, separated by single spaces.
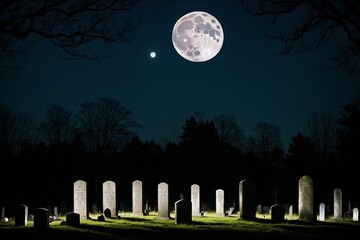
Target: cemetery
pixel 185 217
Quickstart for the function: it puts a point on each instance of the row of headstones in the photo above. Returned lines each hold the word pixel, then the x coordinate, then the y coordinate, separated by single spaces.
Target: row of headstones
pixel 247 201
pixel 246 196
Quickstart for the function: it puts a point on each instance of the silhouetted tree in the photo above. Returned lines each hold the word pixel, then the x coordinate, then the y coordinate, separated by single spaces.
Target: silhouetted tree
pixel 15 128
pixel 107 125
pixel 317 23
pixel 67 24
pixel 266 139
pixel 321 129
pixel 59 125
pixel 348 134
pixel 229 131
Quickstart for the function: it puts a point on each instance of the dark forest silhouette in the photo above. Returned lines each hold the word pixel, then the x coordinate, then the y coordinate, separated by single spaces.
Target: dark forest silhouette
pixel 99 143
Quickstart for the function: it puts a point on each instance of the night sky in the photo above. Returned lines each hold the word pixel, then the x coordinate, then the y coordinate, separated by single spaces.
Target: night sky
pixel 245 79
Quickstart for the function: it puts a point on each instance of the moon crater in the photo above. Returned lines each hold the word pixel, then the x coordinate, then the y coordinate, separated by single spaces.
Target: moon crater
pixel 198 36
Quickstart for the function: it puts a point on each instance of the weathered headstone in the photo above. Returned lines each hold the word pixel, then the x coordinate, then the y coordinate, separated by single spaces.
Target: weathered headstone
pixel 21 215
pixel 109 197
pixel 322 212
pixel 2 211
pixel 195 200
pixel 163 201
pixel 183 212
pixel 41 218
pixel 247 199
pixel 277 213
pixel 306 207
pixel 220 200
pixel 80 199
pixel 94 208
pixel 338 204
pixel 72 219
pixel 137 198
pixel 356 214
pixel 291 210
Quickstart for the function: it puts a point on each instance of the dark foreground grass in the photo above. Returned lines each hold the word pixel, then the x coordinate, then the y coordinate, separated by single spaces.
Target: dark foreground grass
pixel 208 227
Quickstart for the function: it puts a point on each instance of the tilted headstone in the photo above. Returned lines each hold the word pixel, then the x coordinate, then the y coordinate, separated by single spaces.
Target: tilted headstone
pixel 183 212
pixel 356 214
pixel 80 199
pixel 277 213
pixel 247 199
pixel 21 215
pixel 220 200
pixel 195 200
pixel 338 204
pixel 109 197
pixel 306 198
pixel 322 212
pixel 163 201
pixel 72 219
pixel 41 218
pixel 137 198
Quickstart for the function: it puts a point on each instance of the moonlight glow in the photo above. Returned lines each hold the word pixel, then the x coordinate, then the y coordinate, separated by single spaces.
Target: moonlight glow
pixel 198 36
pixel 152 54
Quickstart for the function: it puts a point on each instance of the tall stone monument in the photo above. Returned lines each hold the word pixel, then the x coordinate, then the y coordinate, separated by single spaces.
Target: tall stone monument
pixel 306 198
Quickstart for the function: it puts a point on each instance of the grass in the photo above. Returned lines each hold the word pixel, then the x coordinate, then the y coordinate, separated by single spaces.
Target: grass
pixel 207 227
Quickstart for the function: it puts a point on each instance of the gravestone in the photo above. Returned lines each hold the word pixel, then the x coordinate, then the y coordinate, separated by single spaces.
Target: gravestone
pixel 291 210
pixel 356 214
pixel 107 213
pixel 80 199
pixel 277 213
pixel 109 197
pixel 56 212
pixel 247 199
pixel 338 204
pixel 231 211
pixel 195 200
pixel 94 208
pixel 163 201
pixel 21 215
pixel 72 219
pixel 41 218
pixel 183 212
pixel 220 199
pixel 322 212
pixel 2 212
pixel 259 208
pixel 306 210
pixel 137 198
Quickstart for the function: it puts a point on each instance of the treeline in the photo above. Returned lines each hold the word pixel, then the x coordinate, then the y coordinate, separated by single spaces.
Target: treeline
pixel 40 161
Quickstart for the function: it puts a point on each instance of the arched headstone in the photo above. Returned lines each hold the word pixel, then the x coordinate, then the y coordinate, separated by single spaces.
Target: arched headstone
pixel 137 198
pixel 338 204
pixel 41 218
pixel 183 212
pixel 220 200
pixel 195 200
pixel 21 215
pixel 306 198
pixel 80 199
pixel 163 201
pixel 109 197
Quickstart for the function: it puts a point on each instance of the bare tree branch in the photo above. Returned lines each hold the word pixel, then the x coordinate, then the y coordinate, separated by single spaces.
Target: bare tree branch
pixel 320 22
pixel 68 24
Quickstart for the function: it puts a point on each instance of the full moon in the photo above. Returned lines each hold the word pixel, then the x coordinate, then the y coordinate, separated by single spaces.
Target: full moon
pixel 152 54
pixel 198 36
